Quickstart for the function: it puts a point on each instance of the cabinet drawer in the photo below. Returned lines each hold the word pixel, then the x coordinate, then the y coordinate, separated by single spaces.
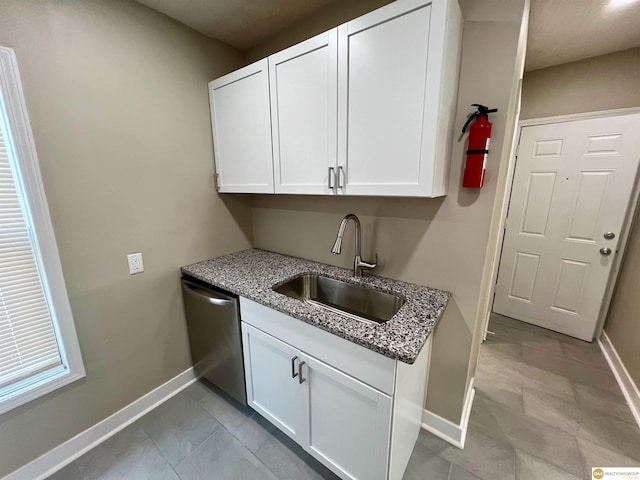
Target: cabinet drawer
pixel 366 365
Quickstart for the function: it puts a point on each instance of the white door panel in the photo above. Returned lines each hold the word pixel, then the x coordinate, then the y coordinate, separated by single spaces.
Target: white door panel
pixel 304 102
pixel 272 389
pixel 382 96
pixel 573 182
pixel 349 423
pixel 242 130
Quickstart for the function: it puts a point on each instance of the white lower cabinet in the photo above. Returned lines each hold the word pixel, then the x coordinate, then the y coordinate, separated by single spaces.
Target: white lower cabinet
pixel 355 411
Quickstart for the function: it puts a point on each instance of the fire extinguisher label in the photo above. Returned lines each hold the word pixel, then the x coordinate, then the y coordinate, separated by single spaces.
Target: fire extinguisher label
pixel 486 147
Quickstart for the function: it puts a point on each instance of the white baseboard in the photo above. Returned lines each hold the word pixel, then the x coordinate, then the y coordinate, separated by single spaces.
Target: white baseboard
pixel 627 385
pixel 446 429
pixel 65 453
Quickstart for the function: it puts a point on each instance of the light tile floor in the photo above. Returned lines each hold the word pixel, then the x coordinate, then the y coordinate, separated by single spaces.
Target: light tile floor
pixel 546 406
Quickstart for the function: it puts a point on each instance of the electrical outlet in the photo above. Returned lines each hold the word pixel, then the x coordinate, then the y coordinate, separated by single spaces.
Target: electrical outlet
pixel 135 263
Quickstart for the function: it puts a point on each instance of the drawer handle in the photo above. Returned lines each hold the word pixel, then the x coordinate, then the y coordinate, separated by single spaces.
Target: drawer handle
pixel 293 367
pixel 332 174
pixel 205 295
pixel 300 379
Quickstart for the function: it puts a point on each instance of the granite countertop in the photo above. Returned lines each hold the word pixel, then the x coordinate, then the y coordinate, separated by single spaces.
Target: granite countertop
pixel 252 274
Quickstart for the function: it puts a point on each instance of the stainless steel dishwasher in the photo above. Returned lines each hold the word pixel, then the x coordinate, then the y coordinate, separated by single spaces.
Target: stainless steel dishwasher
pixel 213 322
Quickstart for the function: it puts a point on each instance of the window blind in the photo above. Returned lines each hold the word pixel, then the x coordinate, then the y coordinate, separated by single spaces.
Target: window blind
pixel 28 342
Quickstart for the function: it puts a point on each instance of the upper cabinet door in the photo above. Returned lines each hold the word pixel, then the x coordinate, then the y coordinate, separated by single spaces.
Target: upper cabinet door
pixel 303 82
pixel 240 118
pixel 389 97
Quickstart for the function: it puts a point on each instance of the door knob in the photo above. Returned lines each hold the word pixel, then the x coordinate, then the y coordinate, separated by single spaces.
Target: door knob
pixel 609 235
pixel 605 251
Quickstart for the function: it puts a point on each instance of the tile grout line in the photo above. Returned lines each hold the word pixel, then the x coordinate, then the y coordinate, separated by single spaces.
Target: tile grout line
pixel 546 462
pixel 215 430
pixel 585 467
pixel 247 420
pixel 254 454
pixel 217 427
pixel 496 436
pixel 576 367
pixel 263 462
pixel 513 331
pixel 450 470
pixel 588 409
pixel 547 351
pixel 166 460
pixel 582 408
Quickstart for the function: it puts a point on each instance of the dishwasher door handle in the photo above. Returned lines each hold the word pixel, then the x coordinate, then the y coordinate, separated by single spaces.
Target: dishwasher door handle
pixel 207 295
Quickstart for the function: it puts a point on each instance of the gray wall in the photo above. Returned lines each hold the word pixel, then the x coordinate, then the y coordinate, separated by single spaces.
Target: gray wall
pixel 605 82
pixel 436 242
pixel 599 83
pixel 623 319
pixel 117 96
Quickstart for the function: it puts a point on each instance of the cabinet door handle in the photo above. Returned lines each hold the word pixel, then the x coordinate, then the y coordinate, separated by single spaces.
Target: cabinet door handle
pixel 332 174
pixel 300 379
pixel 341 175
pixel 293 367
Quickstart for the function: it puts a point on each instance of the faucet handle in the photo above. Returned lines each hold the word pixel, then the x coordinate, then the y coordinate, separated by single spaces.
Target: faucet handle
pixel 368 265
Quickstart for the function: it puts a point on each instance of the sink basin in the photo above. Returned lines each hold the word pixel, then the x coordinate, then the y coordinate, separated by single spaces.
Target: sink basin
pixel 355 301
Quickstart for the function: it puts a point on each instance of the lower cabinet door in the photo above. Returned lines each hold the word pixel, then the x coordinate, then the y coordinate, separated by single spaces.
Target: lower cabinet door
pixel 349 423
pixel 273 382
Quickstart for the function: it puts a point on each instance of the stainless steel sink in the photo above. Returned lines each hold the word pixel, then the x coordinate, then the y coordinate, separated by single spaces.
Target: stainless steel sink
pixel 344 298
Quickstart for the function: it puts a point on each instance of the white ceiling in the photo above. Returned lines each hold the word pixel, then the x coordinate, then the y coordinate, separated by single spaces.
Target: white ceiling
pixel 239 23
pixel 560 31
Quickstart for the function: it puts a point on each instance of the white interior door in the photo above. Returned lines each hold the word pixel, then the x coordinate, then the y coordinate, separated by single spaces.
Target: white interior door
pixel 571 192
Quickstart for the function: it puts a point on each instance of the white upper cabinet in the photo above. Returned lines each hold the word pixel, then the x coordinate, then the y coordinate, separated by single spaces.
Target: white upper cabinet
pixel 397 97
pixel 241 122
pixel 303 82
pixel 363 109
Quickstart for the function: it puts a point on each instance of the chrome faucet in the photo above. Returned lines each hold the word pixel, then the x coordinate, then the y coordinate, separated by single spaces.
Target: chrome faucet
pixel 358 263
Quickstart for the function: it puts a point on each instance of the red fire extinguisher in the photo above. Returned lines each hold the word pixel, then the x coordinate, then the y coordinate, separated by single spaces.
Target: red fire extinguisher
pixel 478 147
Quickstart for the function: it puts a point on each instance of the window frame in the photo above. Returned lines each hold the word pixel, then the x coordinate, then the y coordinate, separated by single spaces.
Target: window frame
pixel 20 140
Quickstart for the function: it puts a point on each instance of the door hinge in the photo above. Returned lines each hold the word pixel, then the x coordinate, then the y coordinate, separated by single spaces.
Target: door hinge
pixel 517 149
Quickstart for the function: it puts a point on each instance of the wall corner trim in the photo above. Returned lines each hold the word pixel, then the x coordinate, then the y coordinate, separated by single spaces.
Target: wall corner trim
pixel 67 452
pixel 446 429
pixel 627 385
